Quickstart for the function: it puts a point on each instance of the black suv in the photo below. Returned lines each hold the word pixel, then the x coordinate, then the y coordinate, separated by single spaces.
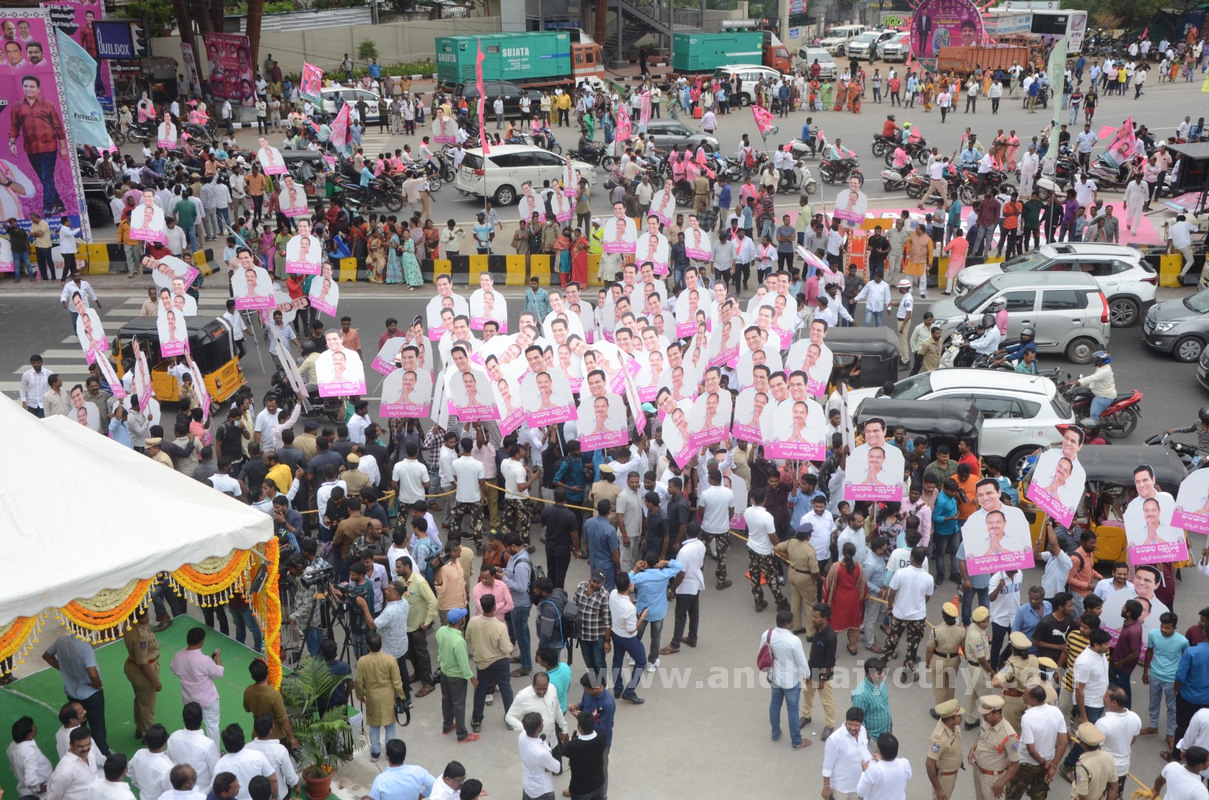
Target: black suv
pixel 511 93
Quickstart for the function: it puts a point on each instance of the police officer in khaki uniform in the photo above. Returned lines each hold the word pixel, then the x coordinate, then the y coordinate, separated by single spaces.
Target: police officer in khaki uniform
pixel 944 749
pixel 1095 772
pixel 977 665
pixel 995 757
pixel 944 655
pixel 142 669
pixel 1014 676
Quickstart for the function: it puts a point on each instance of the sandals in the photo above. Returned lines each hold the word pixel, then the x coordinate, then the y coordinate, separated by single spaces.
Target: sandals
pixel 851 650
pixel 669 651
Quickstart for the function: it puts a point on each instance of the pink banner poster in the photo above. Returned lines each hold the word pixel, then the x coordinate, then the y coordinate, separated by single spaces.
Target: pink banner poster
pixel 710 419
pixel 998 539
pixel 384 361
pixel 75 19
pixel 173 333
pixel 340 373
pixel 631 369
pixel 752 416
pixel 406 394
pixel 228 57
pixel 189 64
pixel 941 23
pixel 602 422
pixel 252 288
pixel 1057 485
pixel 471 395
pixel 39 167
pixel 874 473
pixel 1192 503
pixel 1149 532
pixel 310 83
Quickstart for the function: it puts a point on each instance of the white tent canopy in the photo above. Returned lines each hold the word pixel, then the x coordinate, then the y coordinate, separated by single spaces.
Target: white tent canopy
pixel 86 514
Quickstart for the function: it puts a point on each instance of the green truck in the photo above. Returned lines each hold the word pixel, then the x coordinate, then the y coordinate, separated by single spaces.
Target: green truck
pixel 533 58
pixel 702 52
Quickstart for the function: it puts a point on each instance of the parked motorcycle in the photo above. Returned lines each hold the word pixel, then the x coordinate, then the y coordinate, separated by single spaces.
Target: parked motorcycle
pixel 1119 420
pixel 1112 177
pixel 381 193
pixel 800 182
pixel 312 405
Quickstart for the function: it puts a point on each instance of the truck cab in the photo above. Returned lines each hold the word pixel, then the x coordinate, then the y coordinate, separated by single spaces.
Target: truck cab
pixel 776 54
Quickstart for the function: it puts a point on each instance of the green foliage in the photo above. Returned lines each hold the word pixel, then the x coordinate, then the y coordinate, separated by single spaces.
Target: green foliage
pixel 366 50
pixel 159 13
pixel 323 736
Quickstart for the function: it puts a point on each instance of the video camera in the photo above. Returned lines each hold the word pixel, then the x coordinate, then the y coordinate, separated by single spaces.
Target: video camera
pixel 318 578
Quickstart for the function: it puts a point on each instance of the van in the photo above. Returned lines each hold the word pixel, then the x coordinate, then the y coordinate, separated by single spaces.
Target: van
pixel 828 69
pixel 749 75
pixel 836 41
pixel 335 96
pixel 1067 310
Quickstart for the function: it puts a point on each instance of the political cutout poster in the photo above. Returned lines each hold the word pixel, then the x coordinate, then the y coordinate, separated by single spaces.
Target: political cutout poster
pixel 653 375
pixel 1149 532
pixel 140 380
pixel 199 386
pixel 75 19
pixel 602 422
pixel 189 65
pixel 560 204
pixel 167 270
pixel 815 359
pixel 252 288
pixel 169 299
pixel 1057 485
pixel 229 59
pixel 147 220
pixel 753 418
pixel 270 158
pixel 737 485
pixel 406 393
pixel 444 129
pixel 488 304
pixel 530 203
pixel 1192 503
pixel 311 83
pixel 1146 580
pixel 851 204
pixel 41 159
pixel 508 401
pixel 340 372
pixel 304 252
pixel 174 333
pixel 91 335
pixel 288 306
pixel 724 344
pixel 446 299
pixel 941 23
pixel 677 433
pixel 547 398
pixel 663 204
pixel 386 361
pixel 653 247
pixel 710 419
pixel 620 234
pixel 470 395
pixel 167 134
pixel 997 536
pixel 83 411
pixel 325 292
pixel 6 249
pixel 798 428
pixel 694 312
pixel 877 478
pixel 292 200
pixel 697 243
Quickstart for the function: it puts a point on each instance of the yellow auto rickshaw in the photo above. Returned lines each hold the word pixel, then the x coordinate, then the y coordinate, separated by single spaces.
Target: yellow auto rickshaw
pixel 211 346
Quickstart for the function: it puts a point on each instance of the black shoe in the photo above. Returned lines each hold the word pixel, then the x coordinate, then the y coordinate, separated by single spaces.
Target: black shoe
pixel 970 725
pixel 940 579
pixel 761 604
pixel 476 726
pixel 690 642
pixel 633 698
pixel 616 694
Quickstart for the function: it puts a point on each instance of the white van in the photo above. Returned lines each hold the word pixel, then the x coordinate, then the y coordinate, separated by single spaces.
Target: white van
pixel 836 41
pixel 348 94
pixel 749 75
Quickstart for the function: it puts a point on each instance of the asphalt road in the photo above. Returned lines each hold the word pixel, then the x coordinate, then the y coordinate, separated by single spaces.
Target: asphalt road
pixel 705 705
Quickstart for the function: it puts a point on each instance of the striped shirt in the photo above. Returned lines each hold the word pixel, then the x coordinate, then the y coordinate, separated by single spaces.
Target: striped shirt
pixel 875 702
pixel 1076 643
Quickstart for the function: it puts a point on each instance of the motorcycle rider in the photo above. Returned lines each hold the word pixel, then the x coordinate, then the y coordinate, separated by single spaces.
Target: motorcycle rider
pixel 1101 382
pixel 782 161
pixel 1016 352
pixel 807 136
pixel 901 161
pixel 890 128
pixel 1201 427
pixel 1091 430
pixel 988 341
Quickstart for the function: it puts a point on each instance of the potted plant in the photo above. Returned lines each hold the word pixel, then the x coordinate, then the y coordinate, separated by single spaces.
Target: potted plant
pixel 323 732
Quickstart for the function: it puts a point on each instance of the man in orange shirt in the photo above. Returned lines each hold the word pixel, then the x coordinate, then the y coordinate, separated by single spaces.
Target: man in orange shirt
pixel 1011 227
pixel 967 480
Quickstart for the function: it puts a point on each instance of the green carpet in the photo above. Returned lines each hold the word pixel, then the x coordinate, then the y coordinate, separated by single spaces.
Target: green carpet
pixel 41 695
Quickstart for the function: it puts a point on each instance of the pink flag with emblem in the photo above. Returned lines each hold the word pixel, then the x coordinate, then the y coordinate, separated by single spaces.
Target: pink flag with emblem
pixel 624 126
pixel 763 119
pixel 482 104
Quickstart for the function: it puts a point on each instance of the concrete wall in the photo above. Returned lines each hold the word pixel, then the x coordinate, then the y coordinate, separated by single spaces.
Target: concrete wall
pixel 397 42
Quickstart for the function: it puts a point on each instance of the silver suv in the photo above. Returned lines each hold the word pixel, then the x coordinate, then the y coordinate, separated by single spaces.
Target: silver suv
pixel 1067 310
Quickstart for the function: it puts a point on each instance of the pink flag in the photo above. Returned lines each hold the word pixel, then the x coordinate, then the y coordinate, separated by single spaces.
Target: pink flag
pixel 624 126
pixel 763 119
pixel 644 105
pixel 310 83
pixel 478 81
pixel 1123 143
pixel 339 136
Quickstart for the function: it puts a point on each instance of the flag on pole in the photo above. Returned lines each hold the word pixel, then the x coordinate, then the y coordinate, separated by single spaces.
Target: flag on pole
pixel 644 106
pixel 624 126
pixel 1057 66
pixel 763 119
pixel 310 83
pixel 482 105
pixel 339 134
pixel 1123 142
pixel 78 70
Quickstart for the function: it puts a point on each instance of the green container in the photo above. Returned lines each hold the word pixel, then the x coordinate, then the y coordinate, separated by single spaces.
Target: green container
pixel 702 52
pixel 517 57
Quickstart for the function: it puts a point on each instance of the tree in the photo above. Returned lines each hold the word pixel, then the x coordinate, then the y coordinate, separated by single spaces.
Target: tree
pixel 366 50
pixel 159 14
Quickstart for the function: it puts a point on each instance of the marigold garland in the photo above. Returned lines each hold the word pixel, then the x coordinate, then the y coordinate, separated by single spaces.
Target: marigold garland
pixel 16 641
pixel 99 618
pixel 213 581
pixel 267 606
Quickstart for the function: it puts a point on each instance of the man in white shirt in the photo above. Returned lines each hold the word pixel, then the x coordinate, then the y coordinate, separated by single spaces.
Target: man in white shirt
pixel 538 698
pixel 1120 727
pixel 30 768
pixel 183 781
pixel 274 752
pixel 1043 740
pixel 822 521
pixel 190 746
pixel 687 586
pixel 1005 601
pixel 470 488
pixel 789 669
pixel 113 786
pixel 887 776
pixel 150 766
pixel 876 294
pixel 623 633
pixel 359 422
pixel 717 507
pixel 537 763
pixel 74 776
pixel 196 671
pixel 410 478
pixel 1091 684
pixel 242 762
pixel 1183 781
pixel 761 539
pixel 910 590
pixel 1179 236
pixel 845 757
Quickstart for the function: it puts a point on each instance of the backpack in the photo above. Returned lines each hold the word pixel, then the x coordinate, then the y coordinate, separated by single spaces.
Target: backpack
pixel 764 656
pixel 749 158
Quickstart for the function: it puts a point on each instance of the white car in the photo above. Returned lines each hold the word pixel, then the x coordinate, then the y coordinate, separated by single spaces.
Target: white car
pixel 828 69
pixel 348 94
pixel 500 175
pixel 1124 276
pixel 839 36
pixel 868 45
pixel 1019 412
pixel 897 47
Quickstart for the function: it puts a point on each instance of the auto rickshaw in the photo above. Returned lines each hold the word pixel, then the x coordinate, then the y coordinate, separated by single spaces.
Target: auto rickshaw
pixel 1108 489
pixel 211 345
pixel 864 356
pixel 942 421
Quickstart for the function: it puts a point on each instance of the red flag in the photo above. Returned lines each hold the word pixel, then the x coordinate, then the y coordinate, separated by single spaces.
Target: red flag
pixel 482 105
pixel 763 117
pixel 624 126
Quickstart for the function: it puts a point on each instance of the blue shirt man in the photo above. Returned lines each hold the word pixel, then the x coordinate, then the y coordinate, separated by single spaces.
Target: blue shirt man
pixel 806 132
pixel 724 198
pixel 650 586
pixel 1028 617
pixel 1192 676
pixel 401 781
pixel 572 475
pixel 367 176
pixel 604 549
pixel 598 702
pixel 945 507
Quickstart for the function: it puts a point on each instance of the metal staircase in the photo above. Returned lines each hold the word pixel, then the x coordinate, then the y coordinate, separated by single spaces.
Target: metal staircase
pixel 642 17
